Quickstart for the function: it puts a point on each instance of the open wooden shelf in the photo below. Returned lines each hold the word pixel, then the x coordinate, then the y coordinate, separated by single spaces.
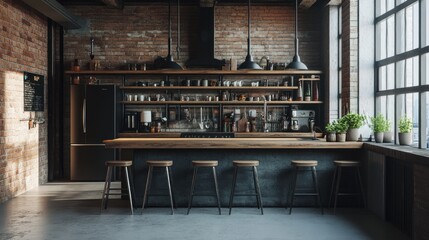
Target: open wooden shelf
pixel 208 88
pixel 218 102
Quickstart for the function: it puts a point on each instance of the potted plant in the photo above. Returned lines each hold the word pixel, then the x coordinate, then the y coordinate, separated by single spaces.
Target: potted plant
pixel 378 126
pixel 330 132
pixel 354 121
pixel 341 129
pixel 405 127
pixel 387 138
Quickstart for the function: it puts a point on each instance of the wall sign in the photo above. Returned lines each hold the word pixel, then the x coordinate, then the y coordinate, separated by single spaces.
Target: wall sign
pixel 34 99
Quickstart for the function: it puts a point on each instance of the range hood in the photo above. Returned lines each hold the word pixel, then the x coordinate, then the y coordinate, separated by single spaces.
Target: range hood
pixel 202 55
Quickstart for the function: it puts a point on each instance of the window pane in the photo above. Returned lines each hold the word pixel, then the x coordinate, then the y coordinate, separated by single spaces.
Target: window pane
pixel 380 7
pixel 412 27
pixel 381 40
pixel 400 32
pixel 425 23
pixel 425 68
pixel 382 78
pixel 390 111
pixel 412 72
pixel 408 105
pixel 400 74
pixel 398 2
pixel 390 81
pixel 425 124
pixel 389 5
pixel 390 38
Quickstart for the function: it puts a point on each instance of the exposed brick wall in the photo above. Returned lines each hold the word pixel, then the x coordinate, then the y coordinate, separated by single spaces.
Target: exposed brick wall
pixel 23 47
pixel 139 34
pixel 421 202
pixel 349 88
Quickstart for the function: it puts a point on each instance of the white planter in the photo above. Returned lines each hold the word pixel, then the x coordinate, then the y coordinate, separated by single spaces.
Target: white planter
pixel 388 137
pixel 331 137
pixel 379 137
pixel 352 134
pixel 405 138
pixel 341 137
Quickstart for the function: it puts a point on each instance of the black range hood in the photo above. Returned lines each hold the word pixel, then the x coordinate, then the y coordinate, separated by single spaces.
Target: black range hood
pixel 202 56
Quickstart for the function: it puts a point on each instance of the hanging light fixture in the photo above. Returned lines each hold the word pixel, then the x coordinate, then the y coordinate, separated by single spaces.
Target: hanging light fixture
pixel 248 63
pixel 168 62
pixel 296 62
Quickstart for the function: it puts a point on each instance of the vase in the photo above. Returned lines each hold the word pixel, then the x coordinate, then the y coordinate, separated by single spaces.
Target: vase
pixel 405 138
pixel 352 134
pixel 331 137
pixel 379 137
pixel 387 138
pixel 341 137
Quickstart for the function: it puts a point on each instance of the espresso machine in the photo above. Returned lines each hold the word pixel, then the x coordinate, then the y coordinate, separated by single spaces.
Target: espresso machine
pixel 302 120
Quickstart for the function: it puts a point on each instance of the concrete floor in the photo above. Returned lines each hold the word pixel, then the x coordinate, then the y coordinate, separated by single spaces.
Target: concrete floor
pixel 71 211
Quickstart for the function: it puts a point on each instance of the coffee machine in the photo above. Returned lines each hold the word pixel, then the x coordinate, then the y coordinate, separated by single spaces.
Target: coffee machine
pixel 302 120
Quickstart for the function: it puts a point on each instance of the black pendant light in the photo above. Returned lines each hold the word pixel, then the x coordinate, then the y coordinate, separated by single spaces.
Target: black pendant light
pixel 296 62
pixel 168 62
pixel 248 63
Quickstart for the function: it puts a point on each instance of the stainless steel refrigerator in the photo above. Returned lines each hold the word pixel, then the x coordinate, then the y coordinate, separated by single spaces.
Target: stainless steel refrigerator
pixel 93 119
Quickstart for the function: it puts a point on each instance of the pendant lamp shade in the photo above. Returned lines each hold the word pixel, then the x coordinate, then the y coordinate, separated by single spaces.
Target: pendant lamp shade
pixel 168 62
pixel 296 62
pixel 248 63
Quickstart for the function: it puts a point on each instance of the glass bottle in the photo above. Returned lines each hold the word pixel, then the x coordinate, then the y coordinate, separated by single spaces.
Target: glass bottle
pixel 316 92
pixel 299 92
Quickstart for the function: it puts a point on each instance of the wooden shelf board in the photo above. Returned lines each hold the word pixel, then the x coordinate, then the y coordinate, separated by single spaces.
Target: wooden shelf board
pixel 208 88
pixel 194 72
pixel 218 102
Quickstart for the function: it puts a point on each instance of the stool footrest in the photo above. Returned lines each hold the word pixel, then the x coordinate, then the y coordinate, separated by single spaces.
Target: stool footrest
pixel 305 194
pixel 242 195
pixel 122 194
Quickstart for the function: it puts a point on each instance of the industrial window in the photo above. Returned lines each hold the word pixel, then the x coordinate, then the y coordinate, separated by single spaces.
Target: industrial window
pixel 402 64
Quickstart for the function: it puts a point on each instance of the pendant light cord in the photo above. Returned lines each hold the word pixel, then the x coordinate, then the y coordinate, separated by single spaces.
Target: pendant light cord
pixel 296 27
pixel 248 29
pixel 169 28
pixel 178 30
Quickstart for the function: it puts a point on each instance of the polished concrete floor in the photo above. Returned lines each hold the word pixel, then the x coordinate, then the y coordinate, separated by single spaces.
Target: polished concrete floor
pixel 71 211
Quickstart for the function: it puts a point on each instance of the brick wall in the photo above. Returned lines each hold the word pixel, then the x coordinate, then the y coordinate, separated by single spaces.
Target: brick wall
pixel 349 88
pixel 23 151
pixel 139 34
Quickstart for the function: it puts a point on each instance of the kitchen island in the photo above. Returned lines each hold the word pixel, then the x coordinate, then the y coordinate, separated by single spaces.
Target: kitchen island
pixel 275 171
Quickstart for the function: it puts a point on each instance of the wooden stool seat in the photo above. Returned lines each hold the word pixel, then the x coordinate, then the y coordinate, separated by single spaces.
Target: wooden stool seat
pixel 304 163
pixel 160 163
pixel 119 163
pixel 341 163
pixel 245 163
pixel 198 163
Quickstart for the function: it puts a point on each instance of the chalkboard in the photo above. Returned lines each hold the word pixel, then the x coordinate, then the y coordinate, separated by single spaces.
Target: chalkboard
pixel 34 99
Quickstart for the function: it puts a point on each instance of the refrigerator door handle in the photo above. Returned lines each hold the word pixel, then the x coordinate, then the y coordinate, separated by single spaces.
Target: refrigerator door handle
pixel 84 115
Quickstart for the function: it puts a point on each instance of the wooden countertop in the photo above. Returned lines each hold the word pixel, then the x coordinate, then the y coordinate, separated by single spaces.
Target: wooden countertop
pixel 237 135
pixel 228 143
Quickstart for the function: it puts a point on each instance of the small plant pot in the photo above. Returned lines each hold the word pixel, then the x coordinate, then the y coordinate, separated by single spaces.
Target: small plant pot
pixel 405 138
pixel 331 137
pixel 379 137
pixel 341 137
pixel 352 134
pixel 387 138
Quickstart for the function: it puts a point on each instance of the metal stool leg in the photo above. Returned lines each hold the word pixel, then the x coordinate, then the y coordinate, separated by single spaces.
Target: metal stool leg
pixel 337 189
pixel 292 193
pixel 129 189
pixel 172 186
pixel 231 198
pixel 191 193
pixel 169 190
pixel 332 187
pixel 148 183
pixel 258 190
pixel 217 189
pixel 316 186
pixel 104 190
pixel 109 182
pixel 361 187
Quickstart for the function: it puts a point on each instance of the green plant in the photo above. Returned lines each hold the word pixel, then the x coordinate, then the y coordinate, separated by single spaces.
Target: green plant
pixel 378 123
pixel 388 126
pixel 405 125
pixel 330 128
pixel 354 120
pixel 340 126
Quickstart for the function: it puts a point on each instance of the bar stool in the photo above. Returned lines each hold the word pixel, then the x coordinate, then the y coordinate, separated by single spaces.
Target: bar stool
pixel 253 165
pixel 196 165
pixel 106 192
pixel 339 165
pixel 167 165
pixel 304 164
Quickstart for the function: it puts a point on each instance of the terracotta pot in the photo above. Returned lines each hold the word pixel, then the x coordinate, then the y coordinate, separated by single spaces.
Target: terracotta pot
pixel 352 134
pixel 387 137
pixel 405 138
pixel 331 137
pixel 341 137
pixel 379 137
